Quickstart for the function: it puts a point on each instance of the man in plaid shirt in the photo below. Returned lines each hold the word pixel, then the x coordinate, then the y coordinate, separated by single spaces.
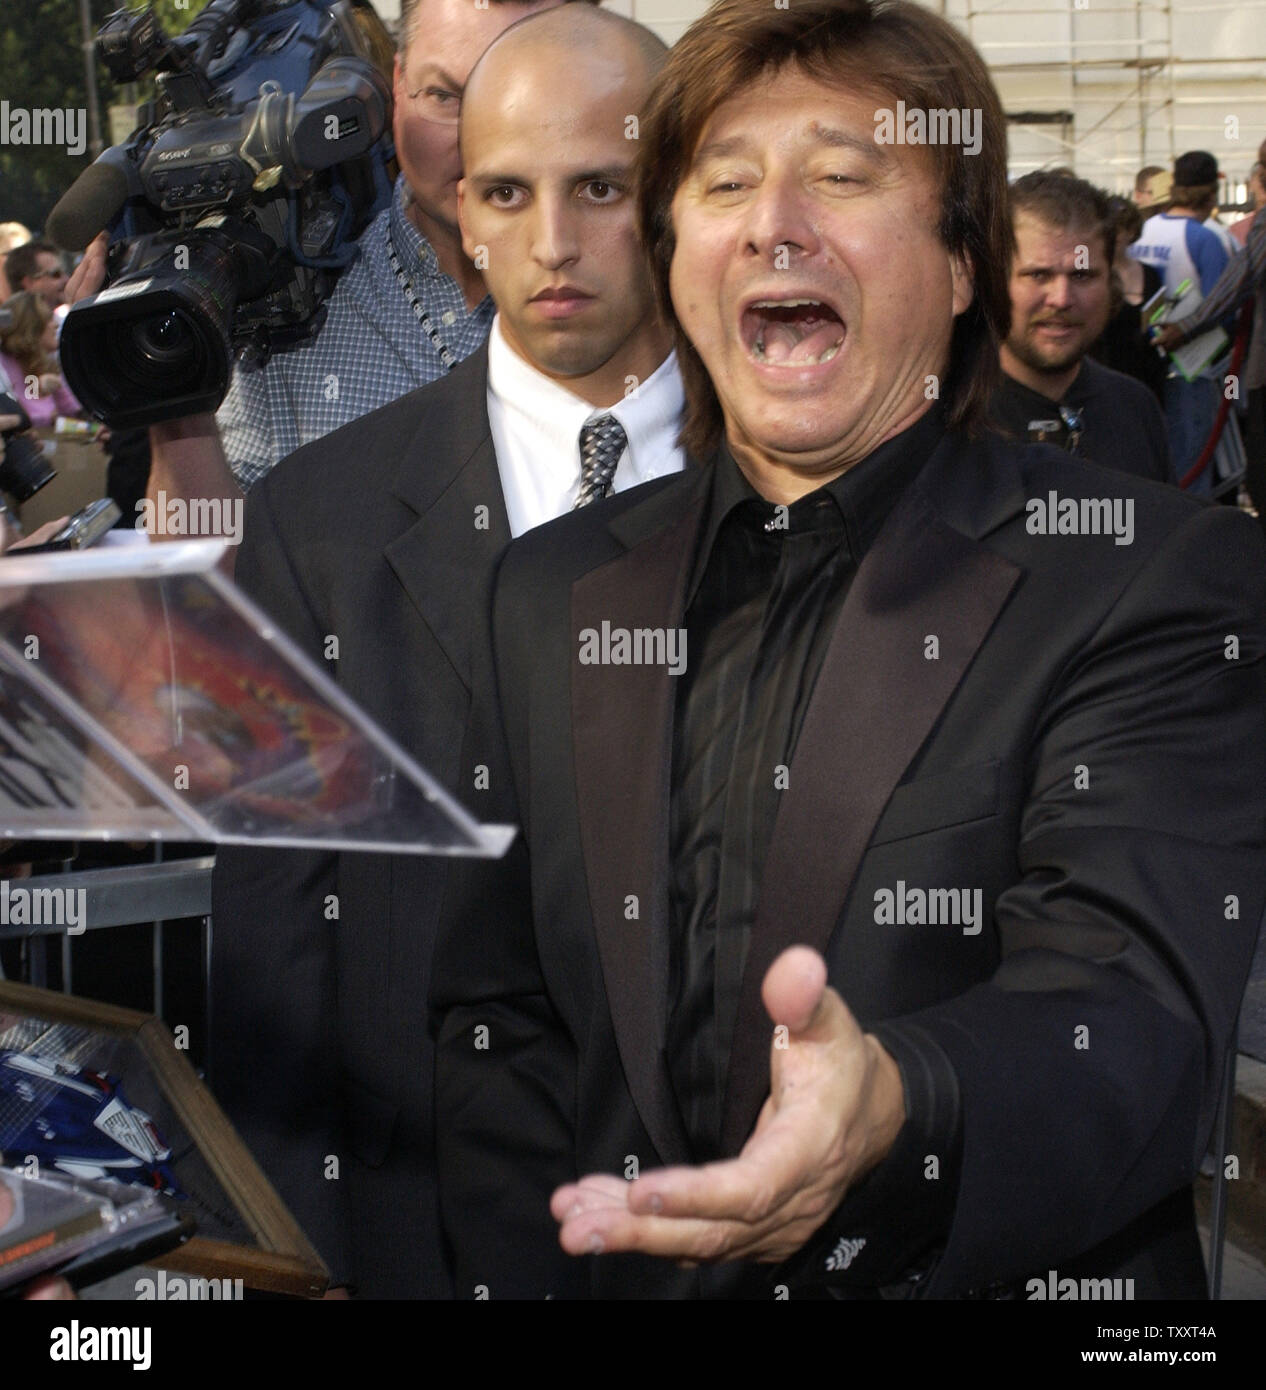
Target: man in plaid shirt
pixel 370 350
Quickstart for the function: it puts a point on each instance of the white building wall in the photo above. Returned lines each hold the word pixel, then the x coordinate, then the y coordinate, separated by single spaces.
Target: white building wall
pixel 1144 80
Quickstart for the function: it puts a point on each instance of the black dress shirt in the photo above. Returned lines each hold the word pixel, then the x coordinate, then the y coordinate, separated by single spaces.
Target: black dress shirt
pixel 766 589
pixel 1107 418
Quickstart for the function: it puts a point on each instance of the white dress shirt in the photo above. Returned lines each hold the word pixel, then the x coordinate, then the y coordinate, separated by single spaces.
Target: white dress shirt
pixel 536 427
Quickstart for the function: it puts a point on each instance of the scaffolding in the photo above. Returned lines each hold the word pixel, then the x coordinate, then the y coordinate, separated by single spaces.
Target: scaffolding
pixel 1110 87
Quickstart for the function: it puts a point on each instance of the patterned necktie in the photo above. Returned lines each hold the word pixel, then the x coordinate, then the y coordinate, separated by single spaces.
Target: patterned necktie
pixel 602 441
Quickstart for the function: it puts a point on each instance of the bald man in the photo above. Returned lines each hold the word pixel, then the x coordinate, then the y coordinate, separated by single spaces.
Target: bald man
pixel 321 962
pixel 578 351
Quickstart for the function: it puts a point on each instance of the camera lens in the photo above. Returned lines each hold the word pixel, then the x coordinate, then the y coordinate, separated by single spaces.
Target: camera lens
pixel 157 345
pixel 157 356
pixel 167 340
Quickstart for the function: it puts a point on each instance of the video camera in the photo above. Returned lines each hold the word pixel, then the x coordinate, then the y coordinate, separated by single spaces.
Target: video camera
pixel 235 203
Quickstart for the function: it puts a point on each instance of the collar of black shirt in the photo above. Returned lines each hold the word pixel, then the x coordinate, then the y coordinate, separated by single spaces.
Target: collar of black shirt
pixel 1081 390
pixel 865 494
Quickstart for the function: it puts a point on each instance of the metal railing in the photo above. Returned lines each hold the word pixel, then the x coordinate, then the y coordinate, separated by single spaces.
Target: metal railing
pixel 155 893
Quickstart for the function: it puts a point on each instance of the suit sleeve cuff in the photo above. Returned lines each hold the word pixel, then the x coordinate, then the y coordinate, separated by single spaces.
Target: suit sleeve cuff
pixel 886 1234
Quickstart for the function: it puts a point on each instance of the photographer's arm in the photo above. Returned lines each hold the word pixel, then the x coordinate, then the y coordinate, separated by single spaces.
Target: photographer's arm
pixel 187 461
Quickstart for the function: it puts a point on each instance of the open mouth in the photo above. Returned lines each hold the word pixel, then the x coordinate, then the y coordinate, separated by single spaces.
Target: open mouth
pixel 792 332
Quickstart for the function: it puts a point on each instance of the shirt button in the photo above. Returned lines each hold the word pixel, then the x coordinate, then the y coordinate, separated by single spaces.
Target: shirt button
pixel 449 318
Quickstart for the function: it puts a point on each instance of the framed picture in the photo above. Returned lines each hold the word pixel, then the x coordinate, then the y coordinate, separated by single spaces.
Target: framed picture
pixel 90 1090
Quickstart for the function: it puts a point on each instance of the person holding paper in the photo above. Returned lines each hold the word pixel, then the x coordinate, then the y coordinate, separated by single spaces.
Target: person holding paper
pixel 1243 278
pixel 1191 258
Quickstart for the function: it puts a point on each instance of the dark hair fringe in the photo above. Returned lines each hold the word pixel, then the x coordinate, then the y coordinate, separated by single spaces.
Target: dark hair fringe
pixel 892 46
pixel 1064 200
pixel 24 260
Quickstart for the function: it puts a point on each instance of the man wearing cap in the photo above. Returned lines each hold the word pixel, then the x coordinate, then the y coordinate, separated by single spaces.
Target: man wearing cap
pixel 1187 254
pixel 1244 277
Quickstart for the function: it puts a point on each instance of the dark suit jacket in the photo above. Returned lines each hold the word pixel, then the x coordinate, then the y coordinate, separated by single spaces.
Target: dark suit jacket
pixel 373 535
pixel 1084 746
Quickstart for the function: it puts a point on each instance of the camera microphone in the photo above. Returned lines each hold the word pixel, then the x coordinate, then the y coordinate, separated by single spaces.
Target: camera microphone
pixel 90 204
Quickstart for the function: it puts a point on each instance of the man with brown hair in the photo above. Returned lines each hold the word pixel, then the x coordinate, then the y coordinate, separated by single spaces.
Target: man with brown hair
pixel 1061 301
pixel 891 802
pixel 36 267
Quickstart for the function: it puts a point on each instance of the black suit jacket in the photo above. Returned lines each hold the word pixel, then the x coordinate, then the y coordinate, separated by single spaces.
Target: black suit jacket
pixel 385 535
pixel 1081 743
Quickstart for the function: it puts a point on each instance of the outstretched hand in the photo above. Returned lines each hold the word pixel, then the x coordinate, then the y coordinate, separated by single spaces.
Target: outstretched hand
pixel 835 1107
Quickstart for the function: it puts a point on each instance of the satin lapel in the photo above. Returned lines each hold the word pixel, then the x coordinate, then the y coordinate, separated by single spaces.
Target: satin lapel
pixel 875 702
pixel 622 720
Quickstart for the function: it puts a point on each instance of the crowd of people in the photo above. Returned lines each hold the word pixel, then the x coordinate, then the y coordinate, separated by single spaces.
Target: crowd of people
pixel 1151 275
pixel 1098 296
pixel 1168 236
pixel 32 290
pixel 673 383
